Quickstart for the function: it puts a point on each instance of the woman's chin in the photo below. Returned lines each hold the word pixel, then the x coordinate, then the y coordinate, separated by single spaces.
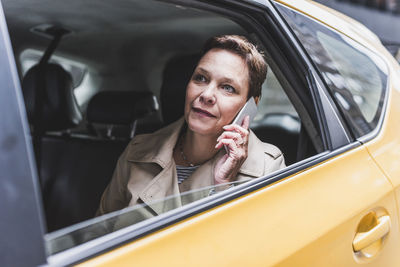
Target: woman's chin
pixel 202 127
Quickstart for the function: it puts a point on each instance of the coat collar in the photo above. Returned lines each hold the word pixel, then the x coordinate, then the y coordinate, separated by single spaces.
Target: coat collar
pixel 158 148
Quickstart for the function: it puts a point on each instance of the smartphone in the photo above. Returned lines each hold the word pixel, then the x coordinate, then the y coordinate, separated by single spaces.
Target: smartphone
pixel 249 109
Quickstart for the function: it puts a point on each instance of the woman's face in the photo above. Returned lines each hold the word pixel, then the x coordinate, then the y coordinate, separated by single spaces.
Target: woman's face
pixel 217 90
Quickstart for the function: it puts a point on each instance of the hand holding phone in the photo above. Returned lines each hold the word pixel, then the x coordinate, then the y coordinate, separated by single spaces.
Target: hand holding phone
pixel 235 139
pixel 249 109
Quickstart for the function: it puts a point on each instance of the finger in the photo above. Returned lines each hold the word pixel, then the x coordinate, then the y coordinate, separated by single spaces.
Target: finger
pixel 232 146
pixel 238 138
pixel 227 142
pixel 234 127
pixel 235 152
pixel 230 135
pixel 219 145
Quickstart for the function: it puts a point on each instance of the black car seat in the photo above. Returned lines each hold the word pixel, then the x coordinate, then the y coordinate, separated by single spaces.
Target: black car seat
pixel 74 170
pixel 115 114
pixel 88 162
pixel 281 130
pixel 49 101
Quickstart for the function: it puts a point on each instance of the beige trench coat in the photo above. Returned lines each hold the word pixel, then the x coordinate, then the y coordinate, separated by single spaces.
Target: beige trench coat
pixel 146 172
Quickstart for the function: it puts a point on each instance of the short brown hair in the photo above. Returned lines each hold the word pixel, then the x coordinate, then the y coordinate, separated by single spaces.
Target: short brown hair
pixel 241 46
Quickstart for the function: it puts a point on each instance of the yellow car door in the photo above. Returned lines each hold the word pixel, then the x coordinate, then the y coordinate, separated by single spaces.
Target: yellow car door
pixel 385 147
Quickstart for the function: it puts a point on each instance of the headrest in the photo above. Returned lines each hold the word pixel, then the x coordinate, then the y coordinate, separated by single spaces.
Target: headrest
pixel 176 75
pixel 60 110
pixel 120 107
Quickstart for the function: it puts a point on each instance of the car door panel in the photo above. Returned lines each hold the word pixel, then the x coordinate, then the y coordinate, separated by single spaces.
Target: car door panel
pixel 307 219
pixel 385 147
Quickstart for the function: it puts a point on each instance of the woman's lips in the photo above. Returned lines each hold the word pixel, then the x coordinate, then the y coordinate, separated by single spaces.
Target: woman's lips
pixel 203 112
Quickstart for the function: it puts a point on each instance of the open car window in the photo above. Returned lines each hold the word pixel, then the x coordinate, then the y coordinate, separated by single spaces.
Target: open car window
pixel 144 50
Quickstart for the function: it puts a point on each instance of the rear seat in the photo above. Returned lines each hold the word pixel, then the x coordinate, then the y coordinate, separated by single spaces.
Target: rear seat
pixel 75 169
pixel 282 130
pixel 116 114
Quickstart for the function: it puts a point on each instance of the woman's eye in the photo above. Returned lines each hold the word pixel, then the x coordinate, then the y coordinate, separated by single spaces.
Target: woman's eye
pixel 200 78
pixel 228 88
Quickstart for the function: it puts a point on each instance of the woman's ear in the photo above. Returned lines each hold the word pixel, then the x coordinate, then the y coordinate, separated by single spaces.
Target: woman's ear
pixel 256 99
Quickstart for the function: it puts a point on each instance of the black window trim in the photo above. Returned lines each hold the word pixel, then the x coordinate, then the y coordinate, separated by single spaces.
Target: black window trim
pixel 98 246
pixel 337 131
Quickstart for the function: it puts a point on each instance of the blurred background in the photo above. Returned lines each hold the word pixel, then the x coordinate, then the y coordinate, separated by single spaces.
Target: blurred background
pixel 380 16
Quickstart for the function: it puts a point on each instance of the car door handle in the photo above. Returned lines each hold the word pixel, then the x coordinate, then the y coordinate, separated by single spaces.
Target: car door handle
pixel 364 239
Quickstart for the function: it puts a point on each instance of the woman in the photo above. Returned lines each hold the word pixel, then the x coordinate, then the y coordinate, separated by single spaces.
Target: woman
pixel 189 154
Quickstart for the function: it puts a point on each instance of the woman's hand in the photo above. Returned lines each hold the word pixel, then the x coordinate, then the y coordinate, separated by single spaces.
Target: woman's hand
pixel 235 138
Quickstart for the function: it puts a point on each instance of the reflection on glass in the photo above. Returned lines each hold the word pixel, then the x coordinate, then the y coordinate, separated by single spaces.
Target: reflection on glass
pixel 89 230
pixel 360 76
pixel 356 76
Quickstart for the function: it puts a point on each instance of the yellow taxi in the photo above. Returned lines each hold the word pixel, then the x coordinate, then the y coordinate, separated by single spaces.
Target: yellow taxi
pixel 80 78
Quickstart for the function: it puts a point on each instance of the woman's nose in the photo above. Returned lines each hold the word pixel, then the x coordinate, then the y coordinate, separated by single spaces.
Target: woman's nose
pixel 208 96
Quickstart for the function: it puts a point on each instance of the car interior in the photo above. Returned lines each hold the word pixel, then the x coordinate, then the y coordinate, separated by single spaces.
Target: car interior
pixel 96 73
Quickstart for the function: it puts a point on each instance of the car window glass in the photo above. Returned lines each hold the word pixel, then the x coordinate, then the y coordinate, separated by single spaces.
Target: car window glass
pixel 363 79
pixel 131 216
pixel 273 98
pixel 355 75
pixel 277 121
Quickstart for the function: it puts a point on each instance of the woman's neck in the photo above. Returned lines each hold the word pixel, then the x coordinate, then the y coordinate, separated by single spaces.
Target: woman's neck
pixel 198 148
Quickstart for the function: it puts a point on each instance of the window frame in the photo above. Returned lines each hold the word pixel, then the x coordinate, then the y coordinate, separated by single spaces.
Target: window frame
pixel 263 12
pixel 24 245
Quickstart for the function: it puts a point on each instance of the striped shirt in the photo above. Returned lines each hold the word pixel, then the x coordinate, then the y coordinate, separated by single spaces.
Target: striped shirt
pixel 184 172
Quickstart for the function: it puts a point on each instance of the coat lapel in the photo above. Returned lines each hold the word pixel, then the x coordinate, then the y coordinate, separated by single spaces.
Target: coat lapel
pixel 159 150
pixel 203 177
pixel 162 193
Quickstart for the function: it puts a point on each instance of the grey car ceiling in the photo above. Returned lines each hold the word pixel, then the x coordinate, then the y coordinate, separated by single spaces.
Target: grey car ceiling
pixel 115 38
